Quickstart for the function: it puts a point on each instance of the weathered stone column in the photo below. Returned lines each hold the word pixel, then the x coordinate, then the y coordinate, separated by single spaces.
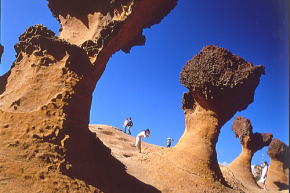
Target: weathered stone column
pixel 220 84
pixel 278 174
pixel 251 143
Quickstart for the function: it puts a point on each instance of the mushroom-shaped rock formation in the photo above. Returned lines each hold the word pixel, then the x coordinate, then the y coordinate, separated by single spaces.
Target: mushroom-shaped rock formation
pixel 278 173
pixel 46 96
pixel 220 84
pixel 251 143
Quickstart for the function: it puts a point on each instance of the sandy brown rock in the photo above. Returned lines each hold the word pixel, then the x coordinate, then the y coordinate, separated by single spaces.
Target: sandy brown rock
pixel 122 146
pixel 251 143
pixel 33 137
pixel 45 99
pixel 278 174
pixel 140 164
pixel 107 26
pixel 220 84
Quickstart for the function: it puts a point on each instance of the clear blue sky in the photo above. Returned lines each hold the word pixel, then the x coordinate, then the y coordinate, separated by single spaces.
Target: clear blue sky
pixel 145 83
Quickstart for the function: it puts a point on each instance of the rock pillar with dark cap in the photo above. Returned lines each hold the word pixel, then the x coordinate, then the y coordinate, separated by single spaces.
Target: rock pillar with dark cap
pixel 278 174
pixel 251 143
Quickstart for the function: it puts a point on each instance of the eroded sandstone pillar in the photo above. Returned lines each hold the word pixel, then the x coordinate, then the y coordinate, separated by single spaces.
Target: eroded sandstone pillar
pixel 220 84
pixel 251 143
pixel 278 173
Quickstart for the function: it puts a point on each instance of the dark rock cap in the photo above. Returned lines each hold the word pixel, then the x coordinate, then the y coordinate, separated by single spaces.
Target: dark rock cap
pixel 278 150
pixel 220 80
pixel 242 127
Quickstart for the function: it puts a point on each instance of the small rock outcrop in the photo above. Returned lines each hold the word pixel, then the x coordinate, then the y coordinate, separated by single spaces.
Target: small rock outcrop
pixel 251 143
pixel 45 97
pixel 278 173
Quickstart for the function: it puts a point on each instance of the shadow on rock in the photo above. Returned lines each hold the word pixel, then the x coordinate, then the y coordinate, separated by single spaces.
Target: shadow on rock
pixel 91 161
pixel 282 186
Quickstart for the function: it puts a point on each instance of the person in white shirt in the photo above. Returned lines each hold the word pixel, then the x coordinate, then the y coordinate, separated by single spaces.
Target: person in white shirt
pixel 145 133
pixel 168 141
pixel 264 175
pixel 128 123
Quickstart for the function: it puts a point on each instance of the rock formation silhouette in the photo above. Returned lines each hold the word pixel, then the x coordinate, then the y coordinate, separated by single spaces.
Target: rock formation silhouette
pixel 46 96
pixel 251 143
pixel 278 173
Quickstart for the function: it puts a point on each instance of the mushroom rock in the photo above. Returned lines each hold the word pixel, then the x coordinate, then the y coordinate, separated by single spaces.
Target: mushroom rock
pixel 220 84
pixel 45 97
pixel 278 173
pixel 251 143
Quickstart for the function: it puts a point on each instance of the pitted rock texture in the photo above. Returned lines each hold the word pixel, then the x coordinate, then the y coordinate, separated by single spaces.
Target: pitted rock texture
pixel 44 68
pixel 278 150
pixel 242 127
pixel 220 84
pixel 111 25
pixel 45 98
pixel 251 143
pixel 278 174
pixel 216 75
pixel 37 124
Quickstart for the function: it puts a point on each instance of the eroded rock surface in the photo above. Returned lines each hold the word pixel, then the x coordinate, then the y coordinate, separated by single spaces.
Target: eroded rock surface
pixel 220 84
pixel 108 26
pixel 45 98
pixel 278 174
pixel 221 81
pixel 251 143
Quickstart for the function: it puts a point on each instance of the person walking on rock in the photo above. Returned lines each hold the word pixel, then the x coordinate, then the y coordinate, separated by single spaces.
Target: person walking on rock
pixel 264 175
pixel 125 124
pixel 168 141
pixel 145 133
pixel 128 123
